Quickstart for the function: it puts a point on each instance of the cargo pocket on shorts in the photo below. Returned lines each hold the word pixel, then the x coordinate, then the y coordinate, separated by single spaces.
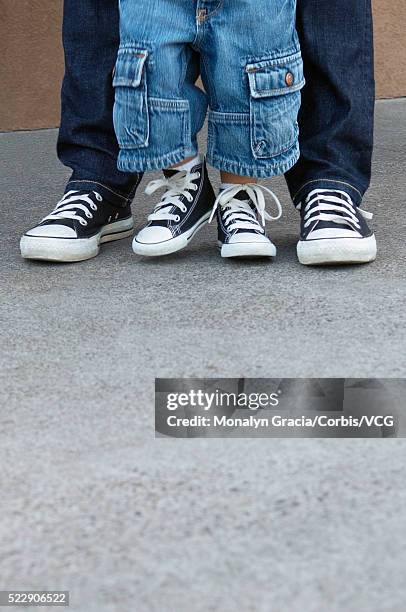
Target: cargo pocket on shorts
pixel 275 86
pixel 130 113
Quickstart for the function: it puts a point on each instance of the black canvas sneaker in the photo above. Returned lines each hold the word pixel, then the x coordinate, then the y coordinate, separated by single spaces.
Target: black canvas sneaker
pixel 241 217
pixel 334 230
pixel 76 227
pixel 183 210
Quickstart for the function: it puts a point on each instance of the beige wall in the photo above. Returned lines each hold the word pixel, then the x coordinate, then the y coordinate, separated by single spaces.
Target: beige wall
pixel 31 64
pixel 390 43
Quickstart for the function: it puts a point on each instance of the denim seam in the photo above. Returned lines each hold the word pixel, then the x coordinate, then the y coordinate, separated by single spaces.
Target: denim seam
pixel 176 104
pixel 216 10
pixel 229 118
pixel 293 60
pixel 275 169
pixel 271 93
pixel 273 58
pixel 326 180
pixel 211 90
pixel 201 29
pixel 157 163
pixel 364 72
pixel 185 65
pixel 132 46
pixel 119 195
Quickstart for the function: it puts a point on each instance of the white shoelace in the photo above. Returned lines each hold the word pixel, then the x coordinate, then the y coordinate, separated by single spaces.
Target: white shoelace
pixel 176 186
pixel 239 214
pixel 71 204
pixel 328 203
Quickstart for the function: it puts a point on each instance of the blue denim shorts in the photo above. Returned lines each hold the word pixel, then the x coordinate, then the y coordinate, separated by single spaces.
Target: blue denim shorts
pixel 248 55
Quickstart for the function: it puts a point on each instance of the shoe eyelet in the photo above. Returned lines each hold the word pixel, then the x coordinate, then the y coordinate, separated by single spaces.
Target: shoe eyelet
pixel 83 222
pixel 93 206
pixel 177 218
pixel 89 215
pixel 98 197
pixel 184 209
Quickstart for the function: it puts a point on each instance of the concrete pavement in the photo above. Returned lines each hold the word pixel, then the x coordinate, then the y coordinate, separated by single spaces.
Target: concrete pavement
pixel 92 503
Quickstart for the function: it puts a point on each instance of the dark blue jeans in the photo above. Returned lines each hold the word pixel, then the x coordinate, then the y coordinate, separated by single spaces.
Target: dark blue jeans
pixel 87 142
pixel 337 114
pixel 336 119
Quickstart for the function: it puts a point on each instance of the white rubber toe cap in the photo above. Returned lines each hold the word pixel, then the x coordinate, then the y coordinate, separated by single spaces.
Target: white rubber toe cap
pixel 52 231
pixel 337 251
pixel 246 244
pixel 153 235
pixel 248 237
pixel 332 232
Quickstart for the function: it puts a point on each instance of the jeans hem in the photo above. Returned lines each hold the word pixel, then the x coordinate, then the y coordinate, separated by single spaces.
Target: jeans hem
pixel 328 183
pixel 267 170
pixel 130 163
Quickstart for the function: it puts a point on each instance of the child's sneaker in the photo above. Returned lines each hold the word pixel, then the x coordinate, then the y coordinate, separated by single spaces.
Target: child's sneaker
pixel 241 219
pixel 76 227
pixel 334 230
pixel 183 210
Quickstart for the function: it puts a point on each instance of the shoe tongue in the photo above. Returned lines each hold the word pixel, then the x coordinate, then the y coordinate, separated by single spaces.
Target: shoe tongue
pixel 241 195
pixel 169 173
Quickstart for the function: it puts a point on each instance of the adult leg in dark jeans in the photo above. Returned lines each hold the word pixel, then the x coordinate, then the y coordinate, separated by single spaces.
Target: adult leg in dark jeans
pixel 87 142
pixel 336 123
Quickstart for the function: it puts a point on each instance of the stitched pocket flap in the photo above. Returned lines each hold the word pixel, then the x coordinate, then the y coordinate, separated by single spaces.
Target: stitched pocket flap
pixel 276 77
pixel 129 67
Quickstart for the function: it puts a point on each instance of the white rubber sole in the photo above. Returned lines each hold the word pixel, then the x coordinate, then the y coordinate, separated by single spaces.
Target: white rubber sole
pixel 74 249
pixel 336 251
pixel 248 249
pixel 169 246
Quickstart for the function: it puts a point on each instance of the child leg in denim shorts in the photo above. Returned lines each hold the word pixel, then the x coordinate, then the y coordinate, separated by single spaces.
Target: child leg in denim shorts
pixel 248 54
